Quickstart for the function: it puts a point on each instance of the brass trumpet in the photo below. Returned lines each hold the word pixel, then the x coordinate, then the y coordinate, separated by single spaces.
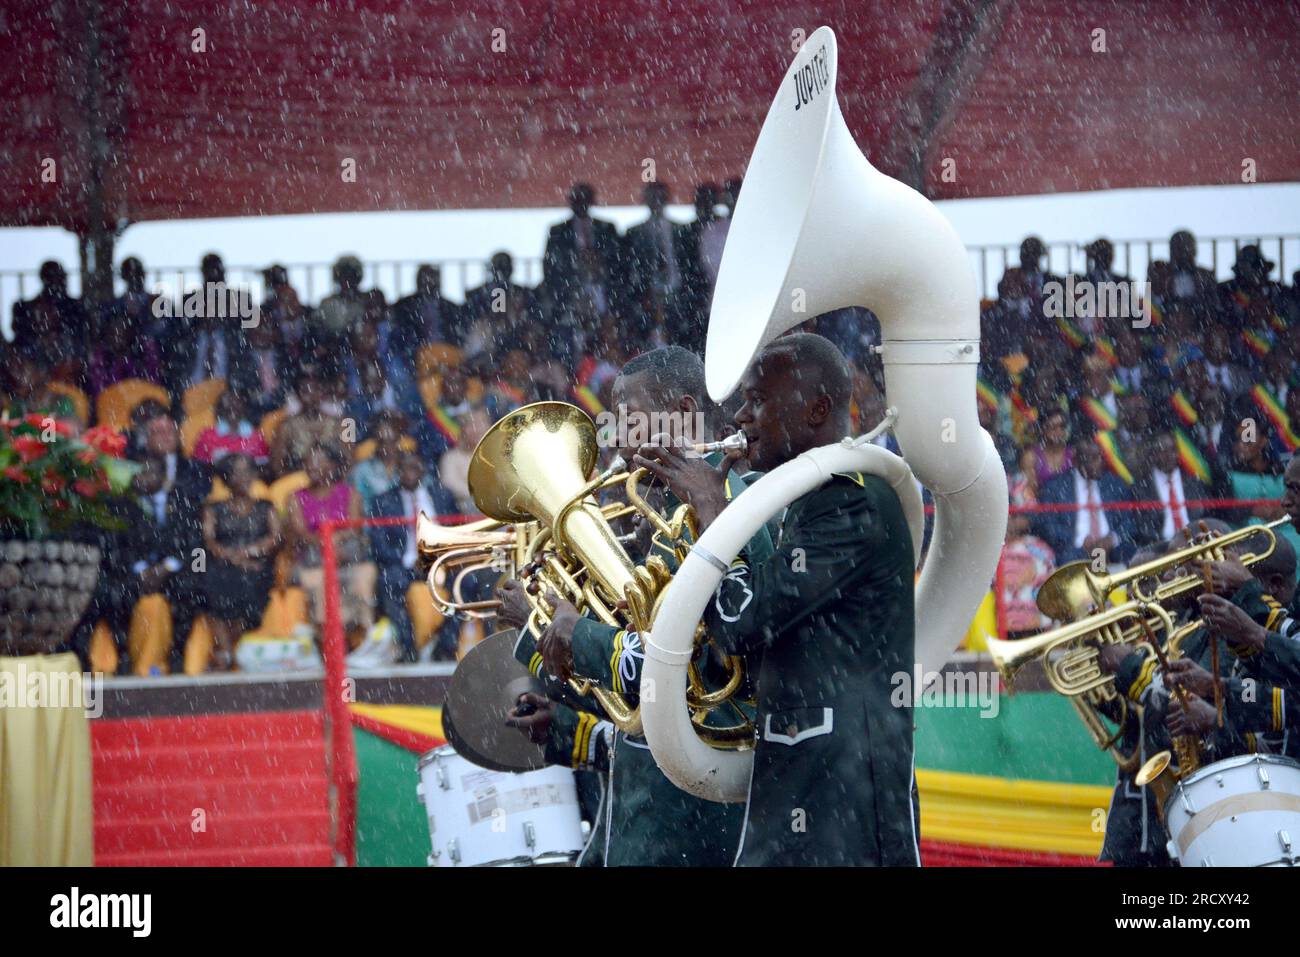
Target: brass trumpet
pixel 1073 590
pixel 1071 659
pixel 440 549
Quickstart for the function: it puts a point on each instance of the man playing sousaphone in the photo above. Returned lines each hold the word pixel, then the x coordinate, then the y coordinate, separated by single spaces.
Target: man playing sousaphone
pixel 831 612
pixel 646 820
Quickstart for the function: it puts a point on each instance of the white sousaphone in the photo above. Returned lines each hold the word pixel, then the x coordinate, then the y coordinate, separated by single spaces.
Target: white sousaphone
pixel 818 228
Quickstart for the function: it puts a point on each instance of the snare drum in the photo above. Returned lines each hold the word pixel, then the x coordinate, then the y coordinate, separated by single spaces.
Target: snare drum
pixel 479 817
pixel 1240 812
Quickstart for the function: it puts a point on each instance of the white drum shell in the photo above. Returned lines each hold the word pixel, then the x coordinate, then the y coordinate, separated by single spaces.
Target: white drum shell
pixel 1239 812
pixel 479 817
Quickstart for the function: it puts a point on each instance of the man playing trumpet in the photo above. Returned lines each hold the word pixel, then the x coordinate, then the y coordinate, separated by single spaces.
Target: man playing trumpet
pixel 646 819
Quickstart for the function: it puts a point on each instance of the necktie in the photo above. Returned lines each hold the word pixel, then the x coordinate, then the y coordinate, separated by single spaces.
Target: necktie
pixel 1094 513
pixel 411 546
pixel 1175 506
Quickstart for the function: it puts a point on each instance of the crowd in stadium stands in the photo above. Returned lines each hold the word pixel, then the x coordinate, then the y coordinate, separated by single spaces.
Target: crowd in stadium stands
pixel 253 434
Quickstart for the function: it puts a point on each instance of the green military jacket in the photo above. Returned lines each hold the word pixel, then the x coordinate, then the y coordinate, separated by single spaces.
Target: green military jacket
pixel 645 819
pixel 832 615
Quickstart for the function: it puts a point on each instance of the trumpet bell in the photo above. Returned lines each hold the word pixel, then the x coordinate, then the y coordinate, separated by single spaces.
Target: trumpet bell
pixel 1068 592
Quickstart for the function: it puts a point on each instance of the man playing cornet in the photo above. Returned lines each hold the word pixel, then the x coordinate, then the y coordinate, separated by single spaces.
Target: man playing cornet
pixel 646 819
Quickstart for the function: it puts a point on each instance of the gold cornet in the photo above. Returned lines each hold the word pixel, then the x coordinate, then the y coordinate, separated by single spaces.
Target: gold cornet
pixel 1071 660
pixel 1073 590
pixel 531 467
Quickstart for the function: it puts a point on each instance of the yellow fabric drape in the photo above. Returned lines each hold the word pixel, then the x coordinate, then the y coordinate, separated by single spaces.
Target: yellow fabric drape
pixel 46 812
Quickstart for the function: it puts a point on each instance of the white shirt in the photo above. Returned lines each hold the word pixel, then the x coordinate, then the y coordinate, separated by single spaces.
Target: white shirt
pixel 1083 517
pixel 1167 483
pixel 1220 375
pixel 413 503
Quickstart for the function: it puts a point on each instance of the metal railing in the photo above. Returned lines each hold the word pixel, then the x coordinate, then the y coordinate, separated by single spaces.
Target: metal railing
pixel 396 277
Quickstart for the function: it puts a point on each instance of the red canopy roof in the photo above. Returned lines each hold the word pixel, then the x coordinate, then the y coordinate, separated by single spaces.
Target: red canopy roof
pixel 264 118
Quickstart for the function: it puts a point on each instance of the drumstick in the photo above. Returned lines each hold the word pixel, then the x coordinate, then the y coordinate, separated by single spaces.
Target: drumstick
pixel 1214 648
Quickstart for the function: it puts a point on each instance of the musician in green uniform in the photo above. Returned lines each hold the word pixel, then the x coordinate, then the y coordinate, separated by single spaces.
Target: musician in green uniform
pixel 832 614
pixel 645 819
pixel 1134 837
pixel 1259 714
pixel 1260 683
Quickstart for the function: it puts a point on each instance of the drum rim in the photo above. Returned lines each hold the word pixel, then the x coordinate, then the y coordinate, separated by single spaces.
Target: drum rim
pixel 431 756
pixel 1236 761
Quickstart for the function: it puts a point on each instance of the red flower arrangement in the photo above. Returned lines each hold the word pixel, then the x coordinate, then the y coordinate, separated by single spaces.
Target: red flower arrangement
pixel 51 478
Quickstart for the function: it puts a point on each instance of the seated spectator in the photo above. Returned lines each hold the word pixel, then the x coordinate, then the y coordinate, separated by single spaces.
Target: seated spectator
pixel 1026 563
pixel 855 331
pixel 1135 431
pixel 1173 488
pixel 453 466
pixel 155 434
pixel 232 433
pixel 1221 368
pixel 509 381
pixel 377 474
pixel 1096 407
pixel 1088 487
pixel 369 391
pixel 27 390
pixel 1275 375
pixel 124 351
pixel 1052 457
pixel 425 316
pixel 307 426
pixel 330 498
pixel 162 539
pixel 1132 372
pixel 261 378
pixel 394 550
pixel 241 536
pixel 1255 473
pixel 990 421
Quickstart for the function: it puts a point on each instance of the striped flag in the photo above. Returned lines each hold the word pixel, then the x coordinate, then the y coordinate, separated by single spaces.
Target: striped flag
pixel 1110 452
pixel 1183 408
pixel 1276 414
pixel 1190 457
pixel 446 424
pixel 1097 412
pixel 1257 343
